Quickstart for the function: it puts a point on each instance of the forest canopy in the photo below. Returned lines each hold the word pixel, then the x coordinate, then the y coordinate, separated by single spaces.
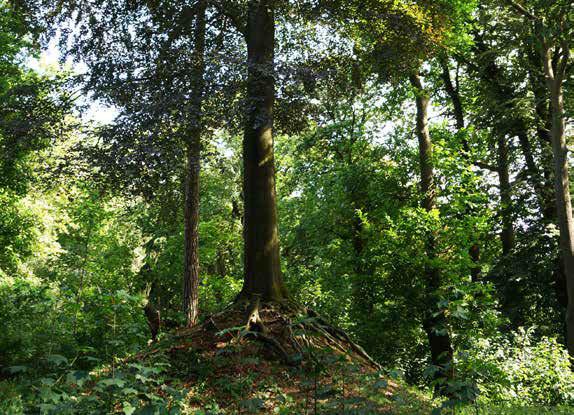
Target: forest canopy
pixel 290 207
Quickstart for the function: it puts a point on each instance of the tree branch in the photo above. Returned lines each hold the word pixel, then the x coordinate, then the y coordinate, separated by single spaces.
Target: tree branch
pixel 563 63
pixel 522 10
pixel 233 14
pixel 461 59
pixel 485 166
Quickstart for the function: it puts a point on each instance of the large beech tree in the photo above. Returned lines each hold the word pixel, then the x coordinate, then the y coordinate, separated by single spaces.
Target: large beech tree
pixel 262 266
pixel 262 271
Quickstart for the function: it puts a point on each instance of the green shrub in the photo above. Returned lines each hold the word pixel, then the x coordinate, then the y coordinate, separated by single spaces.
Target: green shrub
pixel 44 319
pixel 520 369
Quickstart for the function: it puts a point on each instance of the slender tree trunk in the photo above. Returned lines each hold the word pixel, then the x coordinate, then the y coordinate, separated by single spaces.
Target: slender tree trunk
pixel 507 233
pixel 542 108
pixel 543 126
pixel 476 270
pixel 454 96
pixel 435 322
pixel 152 313
pixel 193 148
pixel 511 297
pixel 262 267
pixel 507 122
pixel 554 79
pixel 458 111
pixel 364 301
pixel 534 175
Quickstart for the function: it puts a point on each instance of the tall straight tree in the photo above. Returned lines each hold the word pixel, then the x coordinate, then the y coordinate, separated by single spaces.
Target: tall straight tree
pixel 507 236
pixel 555 75
pixel 550 25
pixel 453 93
pixel 434 321
pixel 262 270
pixel 555 79
pixel 193 148
pixel 501 110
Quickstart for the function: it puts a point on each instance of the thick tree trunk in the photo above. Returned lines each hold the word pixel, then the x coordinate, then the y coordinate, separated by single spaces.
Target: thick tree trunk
pixel 554 81
pixel 262 267
pixel 435 322
pixel 193 148
pixel 507 233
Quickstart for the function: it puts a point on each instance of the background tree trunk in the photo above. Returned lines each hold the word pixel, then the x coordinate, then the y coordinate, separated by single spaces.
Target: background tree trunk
pixel 458 112
pixel 434 324
pixel 261 240
pixel 538 86
pixel 193 148
pixel 507 233
pixel 454 96
pixel 511 123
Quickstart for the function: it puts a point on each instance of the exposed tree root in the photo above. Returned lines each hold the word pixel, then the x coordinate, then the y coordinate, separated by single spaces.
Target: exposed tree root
pixel 339 337
pixel 290 332
pixel 254 323
pixel 275 345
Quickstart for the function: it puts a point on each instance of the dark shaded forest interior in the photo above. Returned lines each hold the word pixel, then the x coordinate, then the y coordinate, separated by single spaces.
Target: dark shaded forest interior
pixel 286 207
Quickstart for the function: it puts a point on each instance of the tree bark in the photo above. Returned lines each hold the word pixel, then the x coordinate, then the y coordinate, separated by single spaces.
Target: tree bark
pixel 538 86
pixel 554 81
pixel 543 126
pixel 193 148
pixel 507 233
pixel 434 321
pixel 262 269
